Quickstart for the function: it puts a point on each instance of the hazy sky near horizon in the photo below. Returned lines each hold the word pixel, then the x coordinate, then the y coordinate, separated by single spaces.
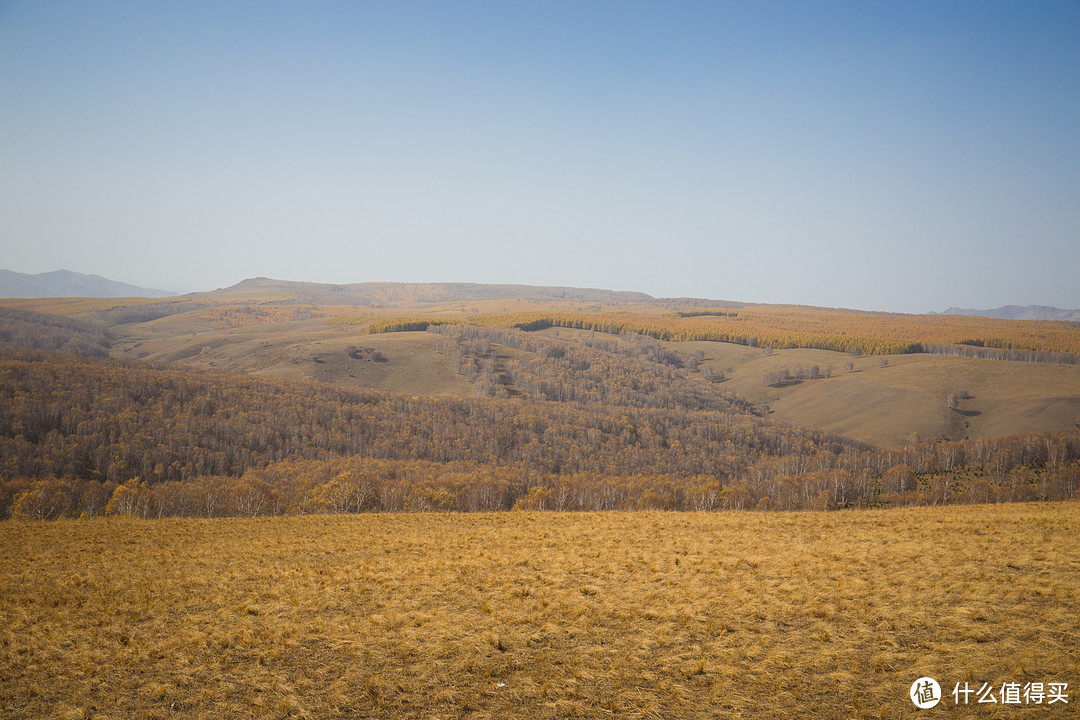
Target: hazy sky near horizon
pixel 902 156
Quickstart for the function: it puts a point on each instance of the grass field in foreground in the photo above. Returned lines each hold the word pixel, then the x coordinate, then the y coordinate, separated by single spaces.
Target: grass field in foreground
pixel 539 615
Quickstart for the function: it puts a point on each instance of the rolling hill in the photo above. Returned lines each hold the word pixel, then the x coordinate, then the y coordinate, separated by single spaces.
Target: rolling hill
pixel 413 294
pixel 279 335
pixel 263 398
pixel 290 330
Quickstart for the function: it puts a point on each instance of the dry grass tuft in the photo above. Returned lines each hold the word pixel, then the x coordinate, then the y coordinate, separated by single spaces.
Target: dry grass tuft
pixel 638 615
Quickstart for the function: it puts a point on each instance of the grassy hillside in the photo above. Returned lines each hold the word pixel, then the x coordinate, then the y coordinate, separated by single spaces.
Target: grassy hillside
pixel 74 305
pixel 278 330
pixel 639 615
pixel 882 405
pixel 303 349
pixel 885 401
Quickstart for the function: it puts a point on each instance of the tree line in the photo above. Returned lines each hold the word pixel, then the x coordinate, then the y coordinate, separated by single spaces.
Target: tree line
pixel 356 485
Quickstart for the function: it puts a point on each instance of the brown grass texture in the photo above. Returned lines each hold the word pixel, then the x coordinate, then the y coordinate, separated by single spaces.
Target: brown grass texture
pixel 638 615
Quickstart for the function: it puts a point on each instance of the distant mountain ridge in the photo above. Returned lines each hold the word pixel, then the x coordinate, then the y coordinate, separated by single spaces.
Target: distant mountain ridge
pixel 388 293
pixel 1019 312
pixel 65 283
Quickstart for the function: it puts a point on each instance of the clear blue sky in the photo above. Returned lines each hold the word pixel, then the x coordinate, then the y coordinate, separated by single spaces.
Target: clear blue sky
pixel 898 156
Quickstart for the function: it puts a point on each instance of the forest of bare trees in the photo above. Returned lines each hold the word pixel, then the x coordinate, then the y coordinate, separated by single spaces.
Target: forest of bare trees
pixel 86 435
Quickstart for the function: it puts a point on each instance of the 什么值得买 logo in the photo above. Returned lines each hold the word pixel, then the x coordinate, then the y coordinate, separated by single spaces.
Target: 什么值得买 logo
pixel 926 693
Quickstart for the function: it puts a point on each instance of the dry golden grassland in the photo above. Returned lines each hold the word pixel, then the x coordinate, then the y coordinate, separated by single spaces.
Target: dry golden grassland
pixel 640 615
pixel 883 401
pixel 308 350
pixel 73 305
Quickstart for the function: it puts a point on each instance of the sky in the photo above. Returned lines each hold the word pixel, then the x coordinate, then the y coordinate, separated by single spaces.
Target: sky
pixel 898 156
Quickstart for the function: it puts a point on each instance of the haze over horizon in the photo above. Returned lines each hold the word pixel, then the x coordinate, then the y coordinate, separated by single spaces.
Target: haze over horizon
pixel 888 156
